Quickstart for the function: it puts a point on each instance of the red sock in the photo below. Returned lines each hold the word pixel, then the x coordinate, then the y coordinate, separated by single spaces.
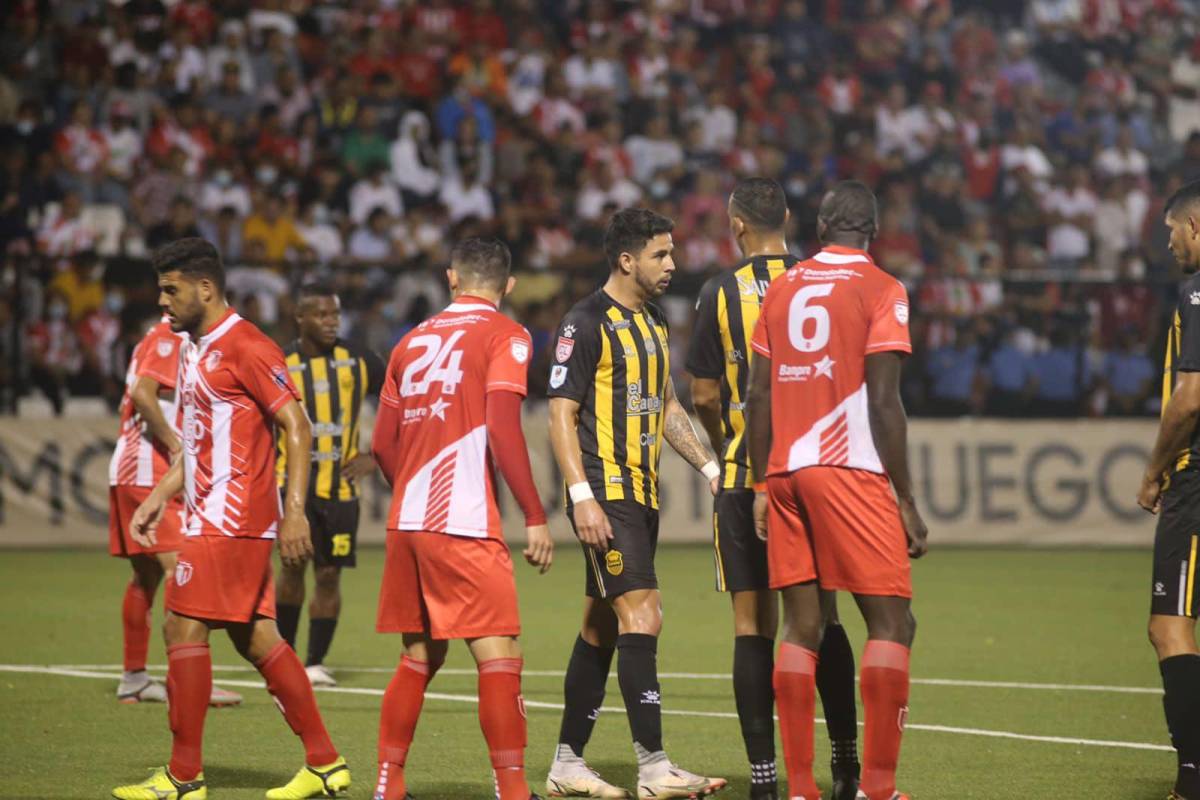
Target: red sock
pixel 796 700
pixel 135 618
pixel 885 708
pixel 397 721
pixel 502 717
pixel 289 685
pixel 189 685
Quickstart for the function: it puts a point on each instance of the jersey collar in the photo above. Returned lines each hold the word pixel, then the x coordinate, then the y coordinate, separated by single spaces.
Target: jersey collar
pixel 836 254
pixel 222 327
pixel 469 302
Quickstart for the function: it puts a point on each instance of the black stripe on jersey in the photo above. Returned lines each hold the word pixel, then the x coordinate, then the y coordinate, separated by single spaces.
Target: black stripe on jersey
pixel 642 421
pixel 733 309
pixel 620 390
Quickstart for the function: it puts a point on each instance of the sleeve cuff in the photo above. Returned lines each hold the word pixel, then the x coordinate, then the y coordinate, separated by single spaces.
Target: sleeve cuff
pixel 160 378
pixel 762 350
pixel 507 386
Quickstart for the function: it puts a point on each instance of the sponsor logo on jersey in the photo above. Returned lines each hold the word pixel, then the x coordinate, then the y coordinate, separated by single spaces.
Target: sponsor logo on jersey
pixel 438 408
pixel 558 376
pixel 901 311
pixel 183 572
pixel 824 367
pixel 519 349
pixel 164 347
pixel 1196 298
pixel 649 439
pixel 650 348
pixel 414 414
pixel 212 360
pixel 320 387
pixel 564 349
pixel 614 562
pixel 752 287
pixel 619 325
pixel 326 429
pixel 794 374
pixel 734 356
pixel 637 404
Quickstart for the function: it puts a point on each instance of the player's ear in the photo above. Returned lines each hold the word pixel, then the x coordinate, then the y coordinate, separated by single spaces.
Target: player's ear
pixel 452 279
pixel 508 287
pixel 738 226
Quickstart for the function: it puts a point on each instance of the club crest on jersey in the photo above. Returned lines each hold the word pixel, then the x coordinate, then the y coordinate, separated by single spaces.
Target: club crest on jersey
pixel 164 348
pixel 614 562
pixel 183 572
pixel 565 347
pixel 212 360
pixel 558 376
pixel 519 349
pixel 901 311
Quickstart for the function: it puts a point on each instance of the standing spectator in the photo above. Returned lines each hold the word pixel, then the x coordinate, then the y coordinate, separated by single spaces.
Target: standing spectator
pixel 467 146
pixel 527 79
pixel 124 146
pixel 555 111
pixel 383 98
pixel 1128 376
pixel 1010 379
pixel 65 232
pixel 1071 208
pixel 953 371
pixel 53 351
pixel 459 104
pixel 1059 377
pixel 83 151
pixel 413 159
pixel 224 230
pixel 79 285
pixel 481 71
pixel 374 190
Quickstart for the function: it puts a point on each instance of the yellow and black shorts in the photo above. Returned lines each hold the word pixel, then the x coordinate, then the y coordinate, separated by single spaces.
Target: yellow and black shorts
pixel 1174 591
pixel 334 528
pixel 629 563
pixel 740 556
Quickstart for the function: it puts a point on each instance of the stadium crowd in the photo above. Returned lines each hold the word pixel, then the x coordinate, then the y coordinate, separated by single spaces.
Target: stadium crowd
pixel 1021 151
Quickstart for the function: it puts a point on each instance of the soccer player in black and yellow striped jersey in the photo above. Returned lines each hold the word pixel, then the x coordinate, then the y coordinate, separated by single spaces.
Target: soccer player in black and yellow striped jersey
pixel 719 362
pixel 1171 489
pixel 612 403
pixel 334 378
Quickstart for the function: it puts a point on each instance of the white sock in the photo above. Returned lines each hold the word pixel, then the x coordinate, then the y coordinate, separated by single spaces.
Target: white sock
pixel 650 763
pixel 565 755
pixel 139 676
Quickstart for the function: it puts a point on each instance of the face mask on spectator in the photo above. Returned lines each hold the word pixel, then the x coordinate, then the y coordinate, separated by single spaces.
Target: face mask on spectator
pixel 25 127
pixel 114 302
pixel 57 311
pixel 659 188
pixel 222 178
pixel 266 174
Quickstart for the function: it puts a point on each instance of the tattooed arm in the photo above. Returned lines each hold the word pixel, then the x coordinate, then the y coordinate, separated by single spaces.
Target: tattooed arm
pixel 679 433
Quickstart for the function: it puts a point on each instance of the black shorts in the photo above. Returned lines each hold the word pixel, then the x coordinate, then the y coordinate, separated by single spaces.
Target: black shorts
pixel 629 563
pixel 334 528
pixel 740 556
pixel 1176 542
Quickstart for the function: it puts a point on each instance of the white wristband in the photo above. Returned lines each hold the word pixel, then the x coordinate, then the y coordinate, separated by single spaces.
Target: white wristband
pixel 580 492
pixel 710 470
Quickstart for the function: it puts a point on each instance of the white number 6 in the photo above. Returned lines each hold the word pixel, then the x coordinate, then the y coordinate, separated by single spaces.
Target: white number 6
pixel 799 313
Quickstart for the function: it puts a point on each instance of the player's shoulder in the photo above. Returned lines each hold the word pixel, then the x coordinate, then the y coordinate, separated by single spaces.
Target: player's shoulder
pixel 589 312
pixel 292 348
pixel 657 314
pixel 1189 291
pixel 247 339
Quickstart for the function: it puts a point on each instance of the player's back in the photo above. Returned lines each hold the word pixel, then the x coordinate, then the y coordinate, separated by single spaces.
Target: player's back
pixel 819 323
pixel 438 378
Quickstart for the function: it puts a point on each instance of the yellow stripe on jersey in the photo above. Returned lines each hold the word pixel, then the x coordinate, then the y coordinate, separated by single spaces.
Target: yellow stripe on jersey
pixel 648 421
pixel 602 396
pixel 293 365
pixel 323 482
pixel 633 423
pixel 717 551
pixel 734 414
pixel 664 349
pixel 1174 345
pixel 1191 579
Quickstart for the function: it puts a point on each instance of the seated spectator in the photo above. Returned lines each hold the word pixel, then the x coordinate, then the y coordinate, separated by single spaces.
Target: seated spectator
pixel 224 230
pixel 414 160
pixel 79 286
pixel 372 241
pixel 180 225
pixel 465 147
pixel 374 190
pixel 555 111
pixel 231 49
pixel 953 371
pixel 228 98
pixel 223 190
pixel 1070 206
pixel 289 95
pixel 1123 158
pixel 124 145
pixel 384 99
pixel 1059 376
pixel 464 195
pixel 317 229
pixel 53 351
pixel 602 188
pixel 709 246
pixel 1010 380
pixel 363 145
pixel 1129 376
pixel 459 104
pixel 654 151
pixel 83 152
pixel 482 72
pixel 269 234
pixel 98 333
pixel 65 232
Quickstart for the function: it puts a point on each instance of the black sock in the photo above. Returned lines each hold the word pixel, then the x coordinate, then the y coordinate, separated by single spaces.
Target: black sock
pixel 835 682
pixel 287 618
pixel 637 672
pixel 583 693
pixel 320 636
pixel 1181 701
pixel 753 666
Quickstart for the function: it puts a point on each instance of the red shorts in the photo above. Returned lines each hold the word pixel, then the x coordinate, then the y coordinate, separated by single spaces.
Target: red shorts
pixel 223 579
pixel 839 526
pixel 122 502
pixel 450 587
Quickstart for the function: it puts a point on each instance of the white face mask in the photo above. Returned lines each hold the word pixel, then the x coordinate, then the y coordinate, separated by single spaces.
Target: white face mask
pixel 114 302
pixel 266 174
pixel 25 127
pixel 57 311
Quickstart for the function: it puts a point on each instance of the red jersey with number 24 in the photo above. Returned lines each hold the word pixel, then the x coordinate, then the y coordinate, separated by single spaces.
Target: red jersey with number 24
pixel 819 322
pixel 438 379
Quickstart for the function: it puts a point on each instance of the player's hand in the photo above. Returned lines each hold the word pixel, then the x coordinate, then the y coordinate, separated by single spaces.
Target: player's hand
pixel 914 529
pixel 1150 495
pixel 714 486
pixel 760 515
pixel 539 547
pixel 361 466
pixel 592 525
pixel 295 542
pixel 143 526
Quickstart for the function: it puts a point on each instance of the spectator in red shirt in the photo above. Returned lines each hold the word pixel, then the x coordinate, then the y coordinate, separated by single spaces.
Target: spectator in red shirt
pixel 485 26
pixel 82 152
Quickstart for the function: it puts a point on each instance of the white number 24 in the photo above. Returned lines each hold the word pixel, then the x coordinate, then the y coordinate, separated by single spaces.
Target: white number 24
pixel 800 312
pixel 440 363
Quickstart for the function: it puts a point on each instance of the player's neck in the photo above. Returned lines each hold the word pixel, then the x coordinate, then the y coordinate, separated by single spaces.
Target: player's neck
pixel 767 246
pixel 851 241
pixel 477 294
pixel 311 349
pixel 212 317
pixel 624 292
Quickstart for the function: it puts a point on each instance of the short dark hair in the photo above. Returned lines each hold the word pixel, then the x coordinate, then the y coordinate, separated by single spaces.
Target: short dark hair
pixel 196 258
pixel 1184 198
pixel 849 207
pixel 316 289
pixel 630 229
pixel 482 261
pixel 760 203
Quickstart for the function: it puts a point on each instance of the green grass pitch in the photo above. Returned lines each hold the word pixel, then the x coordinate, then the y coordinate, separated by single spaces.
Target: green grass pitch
pixel 1075 619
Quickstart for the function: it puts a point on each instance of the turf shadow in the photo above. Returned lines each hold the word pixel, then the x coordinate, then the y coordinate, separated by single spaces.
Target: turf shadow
pixel 238 777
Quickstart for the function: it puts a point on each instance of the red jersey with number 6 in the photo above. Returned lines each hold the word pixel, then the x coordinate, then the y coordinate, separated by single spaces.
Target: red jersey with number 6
pixel 438 378
pixel 819 322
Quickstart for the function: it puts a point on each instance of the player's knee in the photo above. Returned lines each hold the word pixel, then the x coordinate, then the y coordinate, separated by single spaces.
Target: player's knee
pixel 912 628
pixel 1172 636
pixel 328 578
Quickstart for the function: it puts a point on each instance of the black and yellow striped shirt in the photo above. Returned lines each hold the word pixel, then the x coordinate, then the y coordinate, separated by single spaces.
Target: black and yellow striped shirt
pixel 1183 355
pixel 615 363
pixel 332 389
pixel 726 313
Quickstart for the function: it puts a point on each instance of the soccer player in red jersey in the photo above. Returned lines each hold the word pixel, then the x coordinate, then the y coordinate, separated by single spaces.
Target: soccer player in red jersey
pixel 147 443
pixel 450 409
pixel 234 390
pixel 829 453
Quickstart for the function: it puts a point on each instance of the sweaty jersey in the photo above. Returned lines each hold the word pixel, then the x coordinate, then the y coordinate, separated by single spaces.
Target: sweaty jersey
pixel 332 388
pixel 615 363
pixel 1183 355
pixel 438 378
pixel 231 384
pixel 819 322
pixel 139 459
pixel 726 314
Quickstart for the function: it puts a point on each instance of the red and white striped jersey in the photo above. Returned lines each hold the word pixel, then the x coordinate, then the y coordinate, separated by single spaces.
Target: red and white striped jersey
pixel 438 378
pixel 140 459
pixel 819 322
pixel 231 383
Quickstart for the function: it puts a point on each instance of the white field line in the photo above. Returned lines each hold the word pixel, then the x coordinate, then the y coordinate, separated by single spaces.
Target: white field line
pixel 715 676
pixel 75 672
